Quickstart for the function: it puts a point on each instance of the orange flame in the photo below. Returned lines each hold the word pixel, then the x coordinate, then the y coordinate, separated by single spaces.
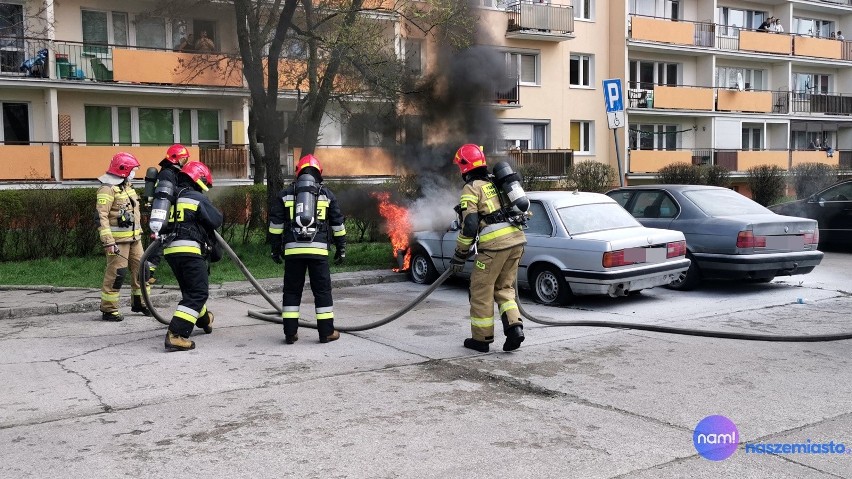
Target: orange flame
pixel 398 226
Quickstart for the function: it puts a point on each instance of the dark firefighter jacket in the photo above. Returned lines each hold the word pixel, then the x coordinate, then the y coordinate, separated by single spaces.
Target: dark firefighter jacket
pixel 328 216
pixel 195 219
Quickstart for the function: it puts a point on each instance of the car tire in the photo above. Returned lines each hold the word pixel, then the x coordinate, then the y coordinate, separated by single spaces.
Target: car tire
pixel 689 279
pixel 421 270
pixel 549 286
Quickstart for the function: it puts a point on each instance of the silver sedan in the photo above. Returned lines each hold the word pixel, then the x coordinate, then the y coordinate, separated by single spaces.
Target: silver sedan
pixel 577 244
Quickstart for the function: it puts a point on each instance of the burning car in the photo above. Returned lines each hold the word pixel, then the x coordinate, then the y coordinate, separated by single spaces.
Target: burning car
pixel 577 244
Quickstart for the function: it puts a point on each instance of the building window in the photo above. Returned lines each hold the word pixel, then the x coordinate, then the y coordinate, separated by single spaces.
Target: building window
pixel 581 69
pixel 752 137
pixel 813 27
pixel 805 83
pixel 653 137
pixel 582 136
pixel 103 28
pixel 645 74
pixel 523 66
pixel 11 37
pixel 151 126
pixel 733 19
pixel 16 123
pixel 740 78
pixel 583 9
pixel 524 136
pixel 414 56
pixel 151 32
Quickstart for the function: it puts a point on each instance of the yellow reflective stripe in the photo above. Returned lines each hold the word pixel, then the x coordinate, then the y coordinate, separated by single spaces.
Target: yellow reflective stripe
pixel 317 251
pixel 111 297
pixel 185 316
pixel 465 240
pixel 203 311
pixel 469 198
pixel 125 234
pixel 323 203
pixel 498 233
pixel 182 249
pixel 321 316
pixel 340 233
pixel 507 306
pixel 288 203
pixel 187 206
pixel 290 314
pixel 276 231
pixel 106 232
pixel 482 322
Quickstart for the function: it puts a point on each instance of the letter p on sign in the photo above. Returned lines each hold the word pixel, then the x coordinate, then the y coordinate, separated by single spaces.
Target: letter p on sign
pixel 612 95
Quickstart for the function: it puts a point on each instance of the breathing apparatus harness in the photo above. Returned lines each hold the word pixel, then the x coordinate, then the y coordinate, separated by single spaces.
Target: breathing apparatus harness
pixel 304 222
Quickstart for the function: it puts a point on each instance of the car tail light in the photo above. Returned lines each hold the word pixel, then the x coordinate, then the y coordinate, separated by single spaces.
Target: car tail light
pixel 675 248
pixel 611 259
pixel 747 239
pixel 812 237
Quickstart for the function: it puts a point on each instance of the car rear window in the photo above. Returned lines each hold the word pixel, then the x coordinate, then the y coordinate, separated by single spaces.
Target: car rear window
pixel 595 217
pixel 724 203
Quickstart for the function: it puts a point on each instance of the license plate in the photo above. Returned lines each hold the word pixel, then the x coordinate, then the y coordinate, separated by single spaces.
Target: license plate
pixel 787 242
pixel 645 255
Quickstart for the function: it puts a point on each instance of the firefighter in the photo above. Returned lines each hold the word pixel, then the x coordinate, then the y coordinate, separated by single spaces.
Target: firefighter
pixel 303 220
pixel 164 196
pixel 186 248
pixel 499 246
pixel 121 235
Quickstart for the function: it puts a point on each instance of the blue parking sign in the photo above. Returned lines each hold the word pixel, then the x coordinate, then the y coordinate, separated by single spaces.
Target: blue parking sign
pixel 612 95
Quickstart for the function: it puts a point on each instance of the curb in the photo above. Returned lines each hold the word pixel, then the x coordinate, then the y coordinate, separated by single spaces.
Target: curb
pixel 162 296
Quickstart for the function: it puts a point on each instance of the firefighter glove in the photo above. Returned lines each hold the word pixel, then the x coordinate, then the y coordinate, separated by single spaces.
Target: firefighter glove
pixel 276 256
pixel 340 255
pixel 457 263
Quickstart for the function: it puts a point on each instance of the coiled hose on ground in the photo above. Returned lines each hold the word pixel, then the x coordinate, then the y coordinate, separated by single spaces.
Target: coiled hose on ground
pixel 274 315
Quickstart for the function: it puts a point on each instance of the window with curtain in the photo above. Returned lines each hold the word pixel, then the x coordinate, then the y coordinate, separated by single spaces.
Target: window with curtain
pixel 581 136
pixel 523 66
pixel 151 32
pixel 98 125
pixel 208 128
pixel 124 126
pixel 732 77
pixel 185 126
pixel 16 123
pixel 119 28
pixel 95 32
pixel 156 126
pixel 580 68
pixel 539 136
pixel 643 7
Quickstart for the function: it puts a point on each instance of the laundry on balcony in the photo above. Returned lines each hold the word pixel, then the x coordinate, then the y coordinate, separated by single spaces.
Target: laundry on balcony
pixel 36 66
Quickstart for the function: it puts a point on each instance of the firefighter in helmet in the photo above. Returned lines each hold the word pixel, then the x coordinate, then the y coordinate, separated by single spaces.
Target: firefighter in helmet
pixel 164 196
pixel 121 235
pixel 192 241
pixel 303 221
pixel 485 219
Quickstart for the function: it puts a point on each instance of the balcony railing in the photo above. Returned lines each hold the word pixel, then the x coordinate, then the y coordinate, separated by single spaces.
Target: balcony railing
pixel 827 103
pixel 510 96
pixel 651 161
pixel 540 19
pixel 730 38
pixel 550 162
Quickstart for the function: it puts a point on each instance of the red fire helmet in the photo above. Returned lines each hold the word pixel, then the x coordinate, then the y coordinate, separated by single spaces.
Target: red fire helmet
pixel 468 157
pixel 177 154
pixel 308 160
pixel 199 173
pixel 122 164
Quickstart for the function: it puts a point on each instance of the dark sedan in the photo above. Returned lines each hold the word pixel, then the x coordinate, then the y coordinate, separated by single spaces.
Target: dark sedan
pixel 831 207
pixel 728 236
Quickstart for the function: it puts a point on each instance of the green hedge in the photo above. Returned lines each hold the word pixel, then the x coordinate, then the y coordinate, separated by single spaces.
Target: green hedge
pixel 50 223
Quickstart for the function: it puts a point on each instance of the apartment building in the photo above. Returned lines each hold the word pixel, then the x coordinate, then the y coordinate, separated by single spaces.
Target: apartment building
pixel 717 82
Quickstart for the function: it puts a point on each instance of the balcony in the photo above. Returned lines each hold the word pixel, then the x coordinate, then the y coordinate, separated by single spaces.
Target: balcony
pixel 651 161
pixel 25 162
pixel 510 97
pixel 540 21
pixel 821 103
pixel 728 38
pixel 549 162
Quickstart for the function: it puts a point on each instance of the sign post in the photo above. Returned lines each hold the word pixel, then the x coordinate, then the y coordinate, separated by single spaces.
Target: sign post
pixel 615 116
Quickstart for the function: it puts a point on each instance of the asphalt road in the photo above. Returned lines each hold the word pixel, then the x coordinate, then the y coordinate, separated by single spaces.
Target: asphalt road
pixel 83 398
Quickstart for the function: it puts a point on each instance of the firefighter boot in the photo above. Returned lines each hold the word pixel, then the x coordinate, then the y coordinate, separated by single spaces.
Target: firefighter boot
pixel 114 316
pixel 326 330
pixel 514 337
pixel 480 346
pixel 205 322
pixel 178 343
pixel 291 329
pixel 137 306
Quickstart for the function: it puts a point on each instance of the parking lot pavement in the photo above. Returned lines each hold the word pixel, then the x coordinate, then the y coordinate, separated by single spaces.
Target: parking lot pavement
pixel 406 400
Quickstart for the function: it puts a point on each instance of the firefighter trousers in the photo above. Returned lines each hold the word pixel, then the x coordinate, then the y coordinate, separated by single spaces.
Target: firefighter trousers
pixel 493 279
pixel 294 283
pixel 191 274
pixel 116 272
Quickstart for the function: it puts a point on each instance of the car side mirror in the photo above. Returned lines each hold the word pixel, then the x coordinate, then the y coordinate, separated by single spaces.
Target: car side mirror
pixel 812 198
pixel 454 226
pixel 822 202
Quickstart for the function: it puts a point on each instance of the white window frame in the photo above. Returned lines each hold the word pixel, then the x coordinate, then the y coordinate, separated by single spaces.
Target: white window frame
pixel 658 138
pixel 519 73
pixel 581 12
pixel 589 127
pixel 109 21
pixel 29 118
pixel 748 76
pixel 134 123
pixel 750 129
pixel 660 73
pixel 589 69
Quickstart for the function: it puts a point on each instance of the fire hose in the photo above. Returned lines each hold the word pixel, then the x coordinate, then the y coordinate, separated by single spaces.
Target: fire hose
pixel 269 315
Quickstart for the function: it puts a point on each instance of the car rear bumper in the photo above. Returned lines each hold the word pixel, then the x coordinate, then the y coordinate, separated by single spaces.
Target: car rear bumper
pixel 757 265
pixel 622 281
